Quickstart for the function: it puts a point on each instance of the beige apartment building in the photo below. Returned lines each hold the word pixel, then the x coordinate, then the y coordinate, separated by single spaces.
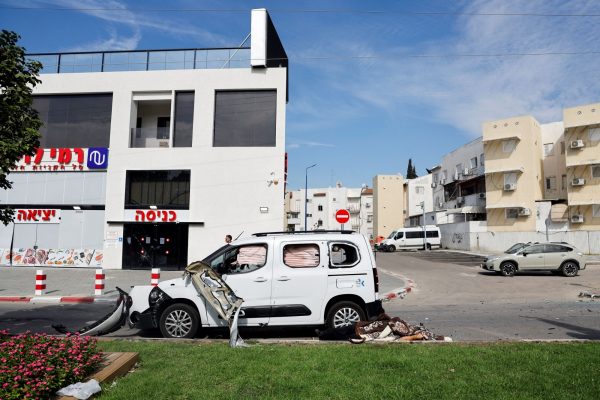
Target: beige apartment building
pixel 513 173
pixel 389 204
pixel 582 137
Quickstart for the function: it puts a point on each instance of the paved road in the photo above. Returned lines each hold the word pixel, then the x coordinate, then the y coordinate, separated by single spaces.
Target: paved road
pixel 450 298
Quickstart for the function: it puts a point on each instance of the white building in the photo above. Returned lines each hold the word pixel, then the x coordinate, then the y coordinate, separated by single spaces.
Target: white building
pixel 420 200
pixel 149 158
pixel 322 205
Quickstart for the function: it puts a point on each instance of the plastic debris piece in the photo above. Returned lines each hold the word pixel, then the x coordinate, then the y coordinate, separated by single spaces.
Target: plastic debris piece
pixel 81 390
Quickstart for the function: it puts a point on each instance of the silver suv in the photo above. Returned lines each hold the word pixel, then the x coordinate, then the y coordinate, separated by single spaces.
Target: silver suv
pixel 556 257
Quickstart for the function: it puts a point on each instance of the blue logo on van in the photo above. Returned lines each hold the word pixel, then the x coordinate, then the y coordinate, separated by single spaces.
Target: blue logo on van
pixel 97 158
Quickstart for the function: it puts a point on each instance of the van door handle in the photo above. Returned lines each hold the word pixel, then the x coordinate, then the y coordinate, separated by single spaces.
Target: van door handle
pixel 283 278
pixel 260 279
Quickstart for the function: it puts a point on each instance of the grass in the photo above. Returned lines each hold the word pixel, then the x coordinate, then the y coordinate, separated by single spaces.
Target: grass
pixel 335 371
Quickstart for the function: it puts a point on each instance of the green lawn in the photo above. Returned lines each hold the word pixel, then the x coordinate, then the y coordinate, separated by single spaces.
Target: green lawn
pixel 339 371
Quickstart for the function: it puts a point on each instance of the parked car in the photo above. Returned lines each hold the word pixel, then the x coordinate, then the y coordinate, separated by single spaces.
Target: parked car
pixel 411 238
pixel 556 257
pixel 284 279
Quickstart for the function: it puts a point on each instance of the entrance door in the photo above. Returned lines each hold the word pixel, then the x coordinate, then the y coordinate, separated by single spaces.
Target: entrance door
pixel 147 246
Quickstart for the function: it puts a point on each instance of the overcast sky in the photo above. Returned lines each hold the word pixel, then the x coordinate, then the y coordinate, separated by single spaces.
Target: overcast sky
pixel 372 84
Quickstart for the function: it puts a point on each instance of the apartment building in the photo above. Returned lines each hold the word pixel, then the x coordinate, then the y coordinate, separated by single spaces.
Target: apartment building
pixel 582 138
pixel 389 204
pixel 418 200
pixel 322 205
pixel 149 158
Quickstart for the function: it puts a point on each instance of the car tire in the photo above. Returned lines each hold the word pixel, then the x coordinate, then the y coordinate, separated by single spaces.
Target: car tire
pixel 569 268
pixel 391 248
pixel 343 314
pixel 179 321
pixel 508 268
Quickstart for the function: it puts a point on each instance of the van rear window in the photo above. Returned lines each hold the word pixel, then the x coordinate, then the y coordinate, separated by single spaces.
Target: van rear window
pixel 343 255
pixel 304 255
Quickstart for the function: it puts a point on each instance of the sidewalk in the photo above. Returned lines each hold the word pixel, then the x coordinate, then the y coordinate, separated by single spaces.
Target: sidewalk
pixel 70 285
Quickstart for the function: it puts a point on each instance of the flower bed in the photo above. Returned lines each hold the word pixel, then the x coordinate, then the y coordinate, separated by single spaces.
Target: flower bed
pixel 34 366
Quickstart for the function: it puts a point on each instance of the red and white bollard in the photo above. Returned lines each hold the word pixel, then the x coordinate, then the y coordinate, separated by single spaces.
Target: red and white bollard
pixel 155 276
pixel 99 283
pixel 40 282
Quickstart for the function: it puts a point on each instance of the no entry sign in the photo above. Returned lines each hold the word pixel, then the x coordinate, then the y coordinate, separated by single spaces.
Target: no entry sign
pixel 342 216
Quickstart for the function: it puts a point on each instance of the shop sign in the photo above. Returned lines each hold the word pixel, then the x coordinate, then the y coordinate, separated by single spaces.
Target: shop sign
pixel 37 216
pixel 64 159
pixel 157 215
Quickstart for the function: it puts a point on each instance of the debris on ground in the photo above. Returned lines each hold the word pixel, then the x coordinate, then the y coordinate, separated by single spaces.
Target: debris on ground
pixel 395 295
pixel 592 295
pixel 81 390
pixel 383 329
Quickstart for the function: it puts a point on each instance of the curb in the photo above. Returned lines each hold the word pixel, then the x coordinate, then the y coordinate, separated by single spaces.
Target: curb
pixel 56 300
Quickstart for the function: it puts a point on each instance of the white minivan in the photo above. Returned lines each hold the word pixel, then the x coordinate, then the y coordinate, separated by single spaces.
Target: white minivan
pixel 412 238
pixel 284 278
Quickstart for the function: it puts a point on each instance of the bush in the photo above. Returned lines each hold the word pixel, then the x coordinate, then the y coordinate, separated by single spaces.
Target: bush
pixel 34 366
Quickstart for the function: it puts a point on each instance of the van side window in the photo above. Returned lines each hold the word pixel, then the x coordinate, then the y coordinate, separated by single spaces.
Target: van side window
pixel 241 259
pixel 399 235
pixel 305 255
pixel 414 235
pixel 432 234
pixel 343 255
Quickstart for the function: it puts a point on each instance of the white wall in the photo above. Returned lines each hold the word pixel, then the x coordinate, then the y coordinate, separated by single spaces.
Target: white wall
pixel 415 199
pixel 228 185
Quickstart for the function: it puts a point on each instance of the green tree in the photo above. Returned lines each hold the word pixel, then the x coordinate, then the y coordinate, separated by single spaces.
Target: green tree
pixel 19 122
pixel 411 171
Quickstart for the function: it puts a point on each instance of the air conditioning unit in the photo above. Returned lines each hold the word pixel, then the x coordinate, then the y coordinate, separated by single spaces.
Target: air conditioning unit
pixel 524 211
pixel 577 144
pixel 442 181
pixel 467 172
pixel 510 186
pixel 578 182
pixel 482 195
pixel 460 200
pixel 433 185
pixel 577 219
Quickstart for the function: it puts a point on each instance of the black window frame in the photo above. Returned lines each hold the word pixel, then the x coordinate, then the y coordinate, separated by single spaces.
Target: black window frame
pixel 151 185
pixel 332 243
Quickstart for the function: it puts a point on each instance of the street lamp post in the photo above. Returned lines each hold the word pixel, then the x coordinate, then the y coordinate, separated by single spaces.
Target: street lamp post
pixel 306 196
pixel 422 205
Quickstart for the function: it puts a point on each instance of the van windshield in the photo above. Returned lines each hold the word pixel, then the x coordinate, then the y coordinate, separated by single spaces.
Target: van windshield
pixel 392 235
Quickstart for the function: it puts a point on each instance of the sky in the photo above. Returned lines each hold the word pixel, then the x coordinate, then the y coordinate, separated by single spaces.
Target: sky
pixel 372 84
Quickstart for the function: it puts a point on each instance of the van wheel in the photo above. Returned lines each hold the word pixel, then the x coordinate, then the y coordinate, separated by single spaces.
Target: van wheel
pixel 391 248
pixel 179 321
pixel 344 313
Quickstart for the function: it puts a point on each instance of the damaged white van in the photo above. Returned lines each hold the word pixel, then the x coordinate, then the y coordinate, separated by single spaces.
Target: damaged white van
pixel 284 279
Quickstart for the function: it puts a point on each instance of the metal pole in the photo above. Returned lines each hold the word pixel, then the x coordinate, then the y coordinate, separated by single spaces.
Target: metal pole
pixel 306 197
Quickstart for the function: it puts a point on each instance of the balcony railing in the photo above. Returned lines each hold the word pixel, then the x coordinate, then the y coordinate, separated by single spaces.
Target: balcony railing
pixel 142 60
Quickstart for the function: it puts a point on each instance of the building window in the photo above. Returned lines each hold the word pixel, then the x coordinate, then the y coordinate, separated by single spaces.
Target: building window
pixel 482 159
pixel 320 207
pixel 458 171
pixel 245 118
pixel 562 147
pixel 551 183
pixel 564 182
pixel 419 189
pixel 435 178
pixel 596 211
pixel 370 218
pixel 184 119
pixel 548 149
pixel 320 222
pixel 474 162
pixel 81 120
pixel 301 255
pixel 512 213
pixel 594 135
pixel 164 189
pixel 508 146
pixel 596 171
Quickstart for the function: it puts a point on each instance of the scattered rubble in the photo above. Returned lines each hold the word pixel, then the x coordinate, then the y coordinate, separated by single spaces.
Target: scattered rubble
pixel 591 295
